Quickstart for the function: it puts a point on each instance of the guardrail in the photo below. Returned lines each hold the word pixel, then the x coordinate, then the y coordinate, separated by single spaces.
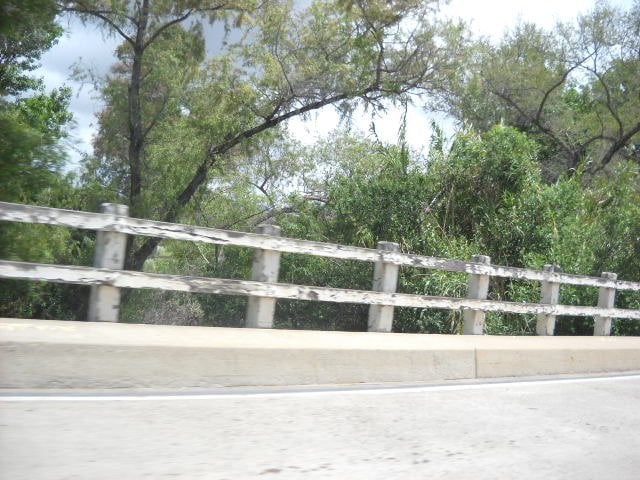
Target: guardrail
pixel 107 276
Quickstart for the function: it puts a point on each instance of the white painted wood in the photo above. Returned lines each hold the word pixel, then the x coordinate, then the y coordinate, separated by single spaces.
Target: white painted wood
pixel 109 280
pixel 606 299
pixel 266 265
pixel 385 279
pixel 128 279
pixel 134 226
pixel 549 294
pixel 478 288
pixel 104 300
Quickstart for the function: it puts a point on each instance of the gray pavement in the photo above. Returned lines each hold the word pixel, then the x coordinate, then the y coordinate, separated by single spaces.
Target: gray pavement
pixel 561 429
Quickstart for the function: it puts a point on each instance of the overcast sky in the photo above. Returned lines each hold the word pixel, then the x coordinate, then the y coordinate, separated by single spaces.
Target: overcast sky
pixel 86 45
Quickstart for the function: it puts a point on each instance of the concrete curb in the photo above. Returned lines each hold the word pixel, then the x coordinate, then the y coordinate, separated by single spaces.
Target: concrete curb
pixel 37 354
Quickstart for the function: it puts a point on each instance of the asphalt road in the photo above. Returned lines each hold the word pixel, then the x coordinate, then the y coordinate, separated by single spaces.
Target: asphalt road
pixel 561 429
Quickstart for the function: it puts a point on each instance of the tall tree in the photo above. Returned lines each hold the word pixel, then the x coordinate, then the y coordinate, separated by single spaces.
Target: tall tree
pixel 288 62
pixel 27 29
pixel 141 24
pixel 576 88
pixel 32 122
pixel 33 127
pixel 31 149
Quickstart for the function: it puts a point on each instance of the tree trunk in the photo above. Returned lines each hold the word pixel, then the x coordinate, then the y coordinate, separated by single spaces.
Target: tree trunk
pixel 136 134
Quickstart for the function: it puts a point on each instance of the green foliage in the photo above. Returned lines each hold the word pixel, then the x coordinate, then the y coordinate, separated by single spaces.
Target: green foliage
pixel 575 89
pixel 372 207
pixel 31 154
pixel 175 126
pixel 45 244
pixel 597 229
pixel 195 141
pixel 27 28
pixel 485 196
pixel 33 127
pixel 305 270
pixel 489 182
pixel 171 149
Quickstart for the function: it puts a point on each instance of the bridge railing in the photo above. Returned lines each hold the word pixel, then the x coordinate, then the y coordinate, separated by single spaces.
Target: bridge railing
pixel 107 276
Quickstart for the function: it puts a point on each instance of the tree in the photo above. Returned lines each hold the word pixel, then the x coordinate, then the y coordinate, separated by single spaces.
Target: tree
pixel 33 126
pixel 32 122
pixel 484 195
pixel 141 25
pixel 576 88
pixel 288 62
pixel 31 154
pixel 171 62
pixel 27 28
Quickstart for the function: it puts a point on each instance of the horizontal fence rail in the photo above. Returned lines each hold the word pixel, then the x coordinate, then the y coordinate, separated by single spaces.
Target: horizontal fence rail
pixel 113 225
pixel 223 286
pixel 150 228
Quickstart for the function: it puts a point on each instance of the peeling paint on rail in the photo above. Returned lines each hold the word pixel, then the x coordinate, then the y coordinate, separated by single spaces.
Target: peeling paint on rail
pixel 134 226
pixel 128 279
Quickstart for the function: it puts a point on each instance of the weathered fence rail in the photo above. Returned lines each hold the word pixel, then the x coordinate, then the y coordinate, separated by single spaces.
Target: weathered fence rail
pixel 107 277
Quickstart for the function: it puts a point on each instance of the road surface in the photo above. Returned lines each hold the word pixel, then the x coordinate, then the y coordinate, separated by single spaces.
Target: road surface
pixel 560 429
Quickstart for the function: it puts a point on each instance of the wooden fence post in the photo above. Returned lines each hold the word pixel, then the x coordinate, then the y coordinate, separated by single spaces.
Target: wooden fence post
pixel 549 294
pixel 606 299
pixel 266 265
pixel 473 320
pixel 385 279
pixel 104 300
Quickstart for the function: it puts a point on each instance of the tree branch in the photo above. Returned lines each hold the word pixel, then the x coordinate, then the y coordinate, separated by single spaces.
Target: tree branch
pixel 150 243
pixel 263 190
pixel 156 117
pixel 535 121
pixel 102 15
pixel 165 26
pixel 608 103
pixel 548 93
pixel 277 55
pixel 617 146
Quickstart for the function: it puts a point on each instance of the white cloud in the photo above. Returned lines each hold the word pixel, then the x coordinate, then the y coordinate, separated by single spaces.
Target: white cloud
pixel 491 18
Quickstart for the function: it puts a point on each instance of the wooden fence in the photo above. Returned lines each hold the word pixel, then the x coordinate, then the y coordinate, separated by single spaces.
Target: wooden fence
pixel 107 277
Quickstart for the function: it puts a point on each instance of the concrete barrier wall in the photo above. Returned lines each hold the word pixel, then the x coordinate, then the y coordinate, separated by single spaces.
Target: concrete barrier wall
pixel 56 354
